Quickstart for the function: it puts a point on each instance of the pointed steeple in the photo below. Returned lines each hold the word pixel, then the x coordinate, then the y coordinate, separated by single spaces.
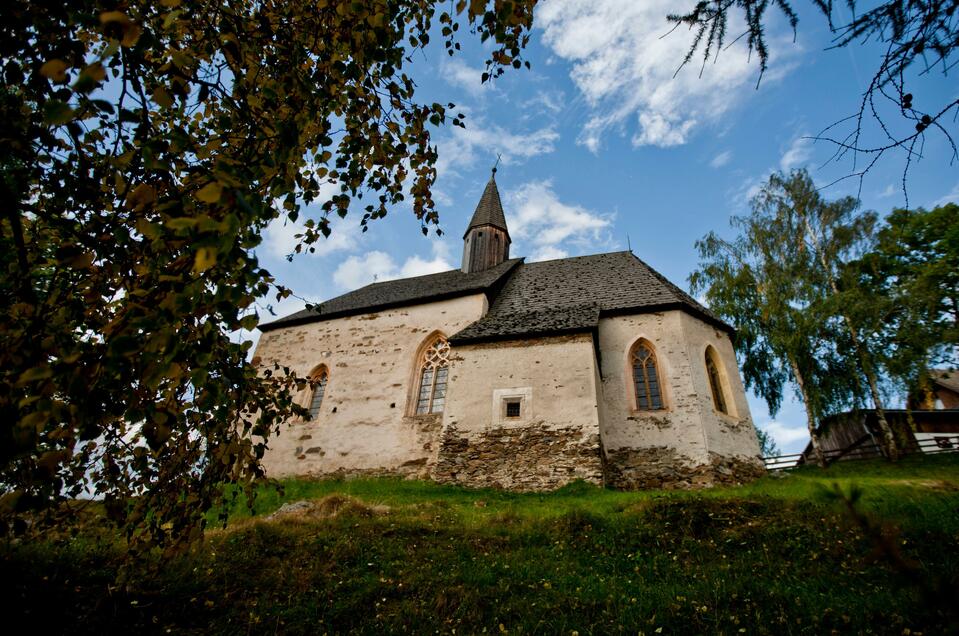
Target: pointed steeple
pixel 489 210
pixel 486 240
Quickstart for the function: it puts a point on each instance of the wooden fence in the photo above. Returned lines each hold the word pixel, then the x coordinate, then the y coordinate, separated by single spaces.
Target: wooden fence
pixel 866 448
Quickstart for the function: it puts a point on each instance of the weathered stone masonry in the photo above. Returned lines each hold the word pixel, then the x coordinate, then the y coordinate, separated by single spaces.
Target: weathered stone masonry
pixel 536 457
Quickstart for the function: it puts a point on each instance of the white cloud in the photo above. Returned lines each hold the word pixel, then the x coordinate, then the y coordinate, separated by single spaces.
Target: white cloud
pixel 377 266
pixel 546 101
pixel 951 197
pixel 721 159
pixel 786 436
pixel 552 228
pixel 279 237
pixel 888 192
pixel 798 153
pixel 357 271
pixel 624 68
pixel 464 146
pixel 547 253
pixel 458 73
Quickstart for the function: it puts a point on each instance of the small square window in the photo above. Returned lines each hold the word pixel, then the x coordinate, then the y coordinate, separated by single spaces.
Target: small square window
pixel 512 408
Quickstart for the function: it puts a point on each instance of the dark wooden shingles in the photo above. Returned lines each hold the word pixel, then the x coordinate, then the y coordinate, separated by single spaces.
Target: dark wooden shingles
pixel 489 210
pixel 392 293
pixel 570 294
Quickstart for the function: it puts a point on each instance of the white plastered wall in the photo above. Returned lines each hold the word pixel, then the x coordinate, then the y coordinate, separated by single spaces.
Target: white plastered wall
pixel 554 377
pixel 364 423
pixel 728 434
pixel 689 424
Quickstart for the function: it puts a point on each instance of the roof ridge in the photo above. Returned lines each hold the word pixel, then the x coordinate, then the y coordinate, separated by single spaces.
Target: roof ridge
pixel 445 271
pixel 397 292
pixel 572 258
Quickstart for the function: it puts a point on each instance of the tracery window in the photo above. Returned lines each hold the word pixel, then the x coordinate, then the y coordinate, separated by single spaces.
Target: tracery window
pixel 715 381
pixel 649 396
pixel 434 369
pixel 318 381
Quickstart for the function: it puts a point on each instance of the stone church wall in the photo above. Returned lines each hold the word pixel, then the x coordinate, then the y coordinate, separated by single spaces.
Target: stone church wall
pixel 364 426
pixel 555 439
pixel 728 435
pixel 687 443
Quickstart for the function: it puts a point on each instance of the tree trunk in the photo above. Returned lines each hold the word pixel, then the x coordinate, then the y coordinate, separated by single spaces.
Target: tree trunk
pixel 810 418
pixel 889 441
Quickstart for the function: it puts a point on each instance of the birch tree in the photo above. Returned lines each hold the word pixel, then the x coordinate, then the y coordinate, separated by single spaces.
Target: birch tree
pixel 832 234
pixel 759 281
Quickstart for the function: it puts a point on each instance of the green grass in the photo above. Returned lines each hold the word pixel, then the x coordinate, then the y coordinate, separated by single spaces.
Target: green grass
pixel 778 556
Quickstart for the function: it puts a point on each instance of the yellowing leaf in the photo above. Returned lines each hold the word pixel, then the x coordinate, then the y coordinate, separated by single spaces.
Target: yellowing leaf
pixel 35 420
pixel 82 261
pixel 96 71
pixel 210 193
pixel 129 32
pixel 170 3
pixel 204 260
pixel 33 374
pixel 141 197
pixel 181 223
pixel 130 35
pixel 162 97
pixel 110 17
pixel 55 70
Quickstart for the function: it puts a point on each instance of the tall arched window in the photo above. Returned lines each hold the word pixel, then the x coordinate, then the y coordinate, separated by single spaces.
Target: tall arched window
pixel 715 381
pixel 649 396
pixel 318 382
pixel 434 369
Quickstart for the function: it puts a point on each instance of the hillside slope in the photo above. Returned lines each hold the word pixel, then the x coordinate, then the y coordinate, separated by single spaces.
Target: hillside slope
pixel 784 555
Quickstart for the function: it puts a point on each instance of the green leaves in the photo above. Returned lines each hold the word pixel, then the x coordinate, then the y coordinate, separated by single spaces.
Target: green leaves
pixel 56 112
pixel 128 253
pixel 210 193
pixel 905 289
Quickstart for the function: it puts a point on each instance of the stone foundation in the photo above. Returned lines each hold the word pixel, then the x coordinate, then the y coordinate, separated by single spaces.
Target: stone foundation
pixel 413 469
pixel 663 467
pixel 528 458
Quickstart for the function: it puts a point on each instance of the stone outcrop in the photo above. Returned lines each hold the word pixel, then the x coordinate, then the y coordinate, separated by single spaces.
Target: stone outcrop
pixel 528 458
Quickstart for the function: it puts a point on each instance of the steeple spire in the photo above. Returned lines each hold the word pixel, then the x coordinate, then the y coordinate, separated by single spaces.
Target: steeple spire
pixel 489 210
pixel 486 240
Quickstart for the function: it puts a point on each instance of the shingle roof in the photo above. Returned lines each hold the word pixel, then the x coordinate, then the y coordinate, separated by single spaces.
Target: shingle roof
pixel 489 210
pixel 550 297
pixel 947 378
pixel 405 291
pixel 503 325
pixel 570 294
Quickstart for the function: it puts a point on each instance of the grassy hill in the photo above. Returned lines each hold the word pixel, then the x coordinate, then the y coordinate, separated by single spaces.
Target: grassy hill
pixel 784 555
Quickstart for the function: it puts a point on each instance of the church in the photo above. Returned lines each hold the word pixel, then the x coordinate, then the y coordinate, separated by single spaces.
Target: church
pixel 516 375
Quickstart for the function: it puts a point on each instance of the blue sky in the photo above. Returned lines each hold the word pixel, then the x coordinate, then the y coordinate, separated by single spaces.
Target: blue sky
pixel 600 141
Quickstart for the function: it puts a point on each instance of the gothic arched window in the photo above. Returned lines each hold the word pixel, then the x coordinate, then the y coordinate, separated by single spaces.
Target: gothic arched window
pixel 433 371
pixel 318 383
pixel 715 381
pixel 649 395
